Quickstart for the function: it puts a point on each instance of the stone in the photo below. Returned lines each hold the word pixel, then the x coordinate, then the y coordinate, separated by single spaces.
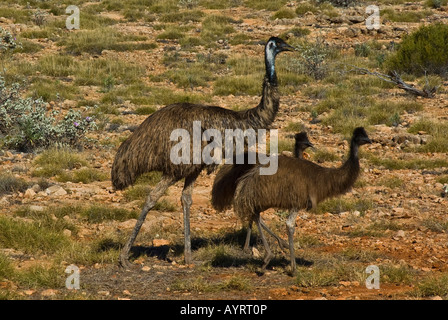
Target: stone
pixel 255 252
pixel 49 293
pixel 55 191
pixel 67 233
pixel 355 19
pixel 36 208
pixel 4 202
pixel 29 193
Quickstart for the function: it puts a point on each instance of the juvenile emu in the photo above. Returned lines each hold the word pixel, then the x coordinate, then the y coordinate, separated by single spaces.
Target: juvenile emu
pixel 298 184
pixel 149 146
pixel 226 179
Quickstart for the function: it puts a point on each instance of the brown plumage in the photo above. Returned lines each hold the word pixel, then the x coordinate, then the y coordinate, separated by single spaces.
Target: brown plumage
pixel 298 184
pixel 224 185
pixel 223 190
pixel 148 148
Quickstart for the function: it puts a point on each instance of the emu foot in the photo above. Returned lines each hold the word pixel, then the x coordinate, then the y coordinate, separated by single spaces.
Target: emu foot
pixel 124 262
pixel 260 272
pixel 292 270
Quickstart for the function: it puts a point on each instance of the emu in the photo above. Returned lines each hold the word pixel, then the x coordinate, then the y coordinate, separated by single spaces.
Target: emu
pixel 148 147
pixel 298 184
pixel 223 190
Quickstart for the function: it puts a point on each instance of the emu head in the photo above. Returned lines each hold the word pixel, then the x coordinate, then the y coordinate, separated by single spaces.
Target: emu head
pixel 276 45
pixel 273 47
pixel 302 140
pixel 360 136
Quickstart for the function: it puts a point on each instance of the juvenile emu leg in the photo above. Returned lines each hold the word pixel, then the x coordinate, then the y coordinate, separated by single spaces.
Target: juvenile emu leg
pixel 290 226
pixel 282 243
pixel 186 201
pixel 150 202
pixel 249 231
pixel 268 255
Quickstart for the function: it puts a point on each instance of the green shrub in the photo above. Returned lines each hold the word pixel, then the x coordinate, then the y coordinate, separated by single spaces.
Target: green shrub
pixel 216 27
pixel 296 32
pixel 25 124
pixel 436 3
pixel 99 39
pixel 422 51
pixel 9 183
pixel 284 13
pixel 7 40
pixel 30 237
pixel 432 286
pixel 303 8
pixel 97 214
pixel 404 16
pixel 84 175
pixel 53 161
pixel 362 49
pixel 313 59
pixel 271 5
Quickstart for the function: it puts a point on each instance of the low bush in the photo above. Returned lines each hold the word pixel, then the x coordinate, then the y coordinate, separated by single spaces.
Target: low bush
pixel 423 51
pixel 25 124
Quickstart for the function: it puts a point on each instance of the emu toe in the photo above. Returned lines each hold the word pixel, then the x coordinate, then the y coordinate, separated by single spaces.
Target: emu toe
pixel 125 263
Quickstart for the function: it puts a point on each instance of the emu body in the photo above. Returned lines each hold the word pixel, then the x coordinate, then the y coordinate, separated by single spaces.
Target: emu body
pixel 226 180
pixel 148 148
pixel 298 184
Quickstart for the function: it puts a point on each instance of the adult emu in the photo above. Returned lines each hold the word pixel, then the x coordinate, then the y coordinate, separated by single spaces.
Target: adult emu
pixel 149 146
pixel 223 190
pixel 298 184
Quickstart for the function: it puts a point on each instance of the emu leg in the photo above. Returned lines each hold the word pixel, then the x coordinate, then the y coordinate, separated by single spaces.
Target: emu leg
pixel 186 201
pixel 268 254
pixel 290 226
pixel 150 202
pixel 247 242
pixel 282 243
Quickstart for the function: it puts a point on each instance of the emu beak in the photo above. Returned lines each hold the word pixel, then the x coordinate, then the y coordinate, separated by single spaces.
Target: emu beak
pixel 286 47
pixel 310 145
pixel 367 140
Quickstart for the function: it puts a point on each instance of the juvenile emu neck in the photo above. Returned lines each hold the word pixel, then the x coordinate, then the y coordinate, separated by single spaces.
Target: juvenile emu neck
pixel 340 180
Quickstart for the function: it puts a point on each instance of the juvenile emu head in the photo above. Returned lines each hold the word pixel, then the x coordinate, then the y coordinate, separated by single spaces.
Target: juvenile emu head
pixel 302 143
pixel 360 137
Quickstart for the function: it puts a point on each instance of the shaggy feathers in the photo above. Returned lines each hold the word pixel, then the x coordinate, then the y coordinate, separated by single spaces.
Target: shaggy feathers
pixel 296 183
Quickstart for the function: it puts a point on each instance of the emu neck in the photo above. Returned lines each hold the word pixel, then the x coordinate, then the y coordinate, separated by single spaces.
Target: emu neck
pixel 340 180
pixel 269 60
pixel 351 166
pixel 264 114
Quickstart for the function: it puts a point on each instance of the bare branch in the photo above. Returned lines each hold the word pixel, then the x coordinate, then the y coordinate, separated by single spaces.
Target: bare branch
pixel 394 77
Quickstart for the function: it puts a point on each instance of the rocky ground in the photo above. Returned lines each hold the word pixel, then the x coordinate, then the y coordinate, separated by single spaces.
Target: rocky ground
pixel 402 230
